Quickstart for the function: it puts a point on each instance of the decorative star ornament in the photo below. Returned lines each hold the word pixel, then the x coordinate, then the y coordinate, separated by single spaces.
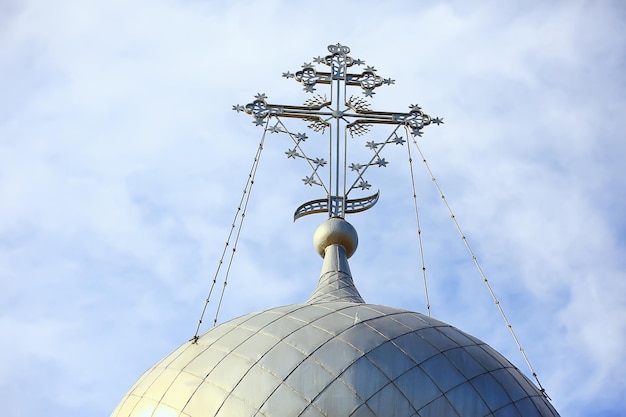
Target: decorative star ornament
pixel 343 115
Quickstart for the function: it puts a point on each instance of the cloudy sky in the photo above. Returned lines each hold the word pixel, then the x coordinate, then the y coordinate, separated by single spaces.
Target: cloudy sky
pixel 122 164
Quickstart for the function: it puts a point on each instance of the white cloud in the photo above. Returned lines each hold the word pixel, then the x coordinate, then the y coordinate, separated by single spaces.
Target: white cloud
pixel 121 165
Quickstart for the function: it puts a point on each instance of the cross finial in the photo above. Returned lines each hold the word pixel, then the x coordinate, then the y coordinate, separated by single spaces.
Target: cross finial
pixel 341 115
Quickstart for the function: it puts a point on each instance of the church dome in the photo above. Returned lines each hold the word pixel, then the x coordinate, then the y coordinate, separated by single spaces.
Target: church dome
pixel 334 359
pixel 335 355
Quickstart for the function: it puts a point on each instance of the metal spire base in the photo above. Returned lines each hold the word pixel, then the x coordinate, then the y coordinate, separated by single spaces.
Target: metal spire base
pixel 335 240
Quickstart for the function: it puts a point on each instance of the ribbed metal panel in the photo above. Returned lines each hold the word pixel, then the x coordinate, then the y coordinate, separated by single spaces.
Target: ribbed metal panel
pixel 334 359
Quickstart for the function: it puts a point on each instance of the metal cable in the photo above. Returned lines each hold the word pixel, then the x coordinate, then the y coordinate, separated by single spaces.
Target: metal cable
pixel 243 204
pixel 419 228
pixel 251 177
pixel 480 270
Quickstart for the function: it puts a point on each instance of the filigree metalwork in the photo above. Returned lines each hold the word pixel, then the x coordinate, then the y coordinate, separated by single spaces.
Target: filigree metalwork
pixel 358 104
pixel 340 113
pixel 321 205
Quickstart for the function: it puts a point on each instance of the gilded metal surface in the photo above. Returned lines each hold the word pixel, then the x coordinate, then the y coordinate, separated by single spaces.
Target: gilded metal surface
pixel 342 115
pixel 334 359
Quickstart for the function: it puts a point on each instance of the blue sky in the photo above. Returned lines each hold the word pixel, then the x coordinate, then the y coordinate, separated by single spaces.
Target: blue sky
pixel 122 163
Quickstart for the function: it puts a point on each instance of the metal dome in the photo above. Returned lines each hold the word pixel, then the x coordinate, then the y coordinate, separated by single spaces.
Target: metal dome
pixel 334 359
pixel 334 356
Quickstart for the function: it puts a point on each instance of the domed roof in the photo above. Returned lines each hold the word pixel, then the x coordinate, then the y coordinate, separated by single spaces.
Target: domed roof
pixel 334 356
pixel 334 359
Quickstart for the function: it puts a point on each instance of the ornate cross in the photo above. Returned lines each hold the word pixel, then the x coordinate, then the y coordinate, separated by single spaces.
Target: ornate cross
pixel 340 114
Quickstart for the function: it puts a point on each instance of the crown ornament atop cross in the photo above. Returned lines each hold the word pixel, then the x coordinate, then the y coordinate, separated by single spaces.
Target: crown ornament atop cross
pixel 341 115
